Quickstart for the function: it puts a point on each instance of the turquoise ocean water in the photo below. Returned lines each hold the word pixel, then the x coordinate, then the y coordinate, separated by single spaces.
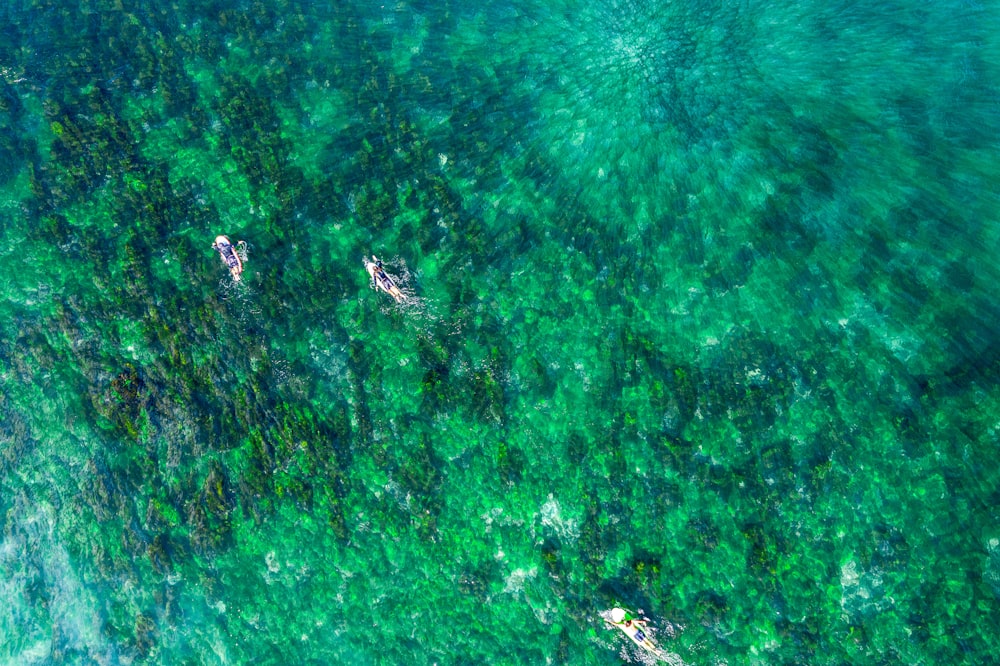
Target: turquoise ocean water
pixel 703 322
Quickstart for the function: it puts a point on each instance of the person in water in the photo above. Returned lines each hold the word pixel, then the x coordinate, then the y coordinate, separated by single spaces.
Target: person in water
pixel 229 256
pixel 381 279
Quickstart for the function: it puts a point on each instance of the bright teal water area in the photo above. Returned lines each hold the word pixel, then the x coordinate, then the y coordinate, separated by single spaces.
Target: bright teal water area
pixel 702 322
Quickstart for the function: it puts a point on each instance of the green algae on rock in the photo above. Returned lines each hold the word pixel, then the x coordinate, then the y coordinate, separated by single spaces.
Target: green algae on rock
pixel 704 327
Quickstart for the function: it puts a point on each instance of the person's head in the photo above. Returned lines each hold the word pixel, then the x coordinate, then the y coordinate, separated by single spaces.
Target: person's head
pixel 617 615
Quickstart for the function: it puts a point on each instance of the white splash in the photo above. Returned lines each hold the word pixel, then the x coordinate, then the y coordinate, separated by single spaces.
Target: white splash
pixel 514 582
pixel 552 518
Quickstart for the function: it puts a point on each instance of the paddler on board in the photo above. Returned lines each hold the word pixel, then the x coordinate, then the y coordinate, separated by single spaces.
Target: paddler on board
pixel 381 279
pixel 632 626
pixel 229 256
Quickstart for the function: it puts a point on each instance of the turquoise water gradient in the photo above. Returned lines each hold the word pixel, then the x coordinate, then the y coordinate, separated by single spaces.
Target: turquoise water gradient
pixel 702 322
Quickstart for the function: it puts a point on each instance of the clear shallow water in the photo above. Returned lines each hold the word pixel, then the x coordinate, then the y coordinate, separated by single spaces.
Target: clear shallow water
pixel 703 323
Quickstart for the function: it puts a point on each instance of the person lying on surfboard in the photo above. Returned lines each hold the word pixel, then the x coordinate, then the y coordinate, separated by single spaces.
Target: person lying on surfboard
pixel 229 256
pixel 631 626
pixel 381 279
